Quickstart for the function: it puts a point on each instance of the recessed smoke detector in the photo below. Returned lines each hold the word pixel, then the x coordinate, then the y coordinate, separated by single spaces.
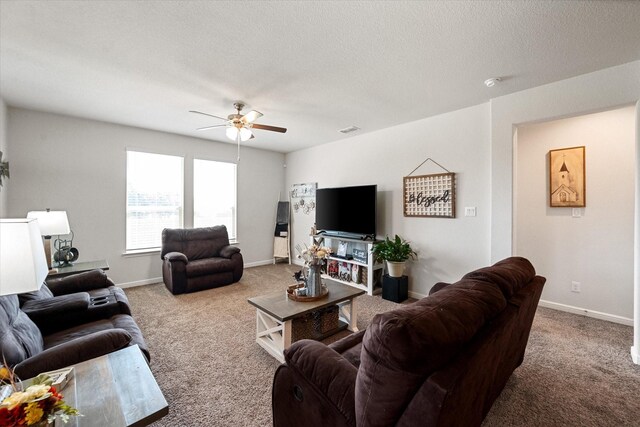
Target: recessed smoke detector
pixel 492 81
pixel 349 129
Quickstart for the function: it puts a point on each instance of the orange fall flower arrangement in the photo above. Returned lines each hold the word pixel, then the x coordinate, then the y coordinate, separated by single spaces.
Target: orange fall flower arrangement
pixel 40 403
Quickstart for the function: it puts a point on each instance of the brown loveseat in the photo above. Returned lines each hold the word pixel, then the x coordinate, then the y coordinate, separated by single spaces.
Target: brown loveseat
pixel 63 302
pixel 441 361
pixel 30 351
pixel 199 258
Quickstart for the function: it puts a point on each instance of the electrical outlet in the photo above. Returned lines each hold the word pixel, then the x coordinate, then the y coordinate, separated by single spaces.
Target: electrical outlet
pixel 575 286
pixel 470 211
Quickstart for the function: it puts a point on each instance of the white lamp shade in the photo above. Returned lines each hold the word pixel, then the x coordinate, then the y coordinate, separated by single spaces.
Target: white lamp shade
pixel 245 134
pixel 232 133
pixel 51 223
pixel 23 266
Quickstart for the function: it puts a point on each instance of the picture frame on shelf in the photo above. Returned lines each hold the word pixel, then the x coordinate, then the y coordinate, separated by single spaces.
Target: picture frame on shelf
pixel 344 271
pixel 332 268
pixel 355 273
pixel 360 255
pixel 342 249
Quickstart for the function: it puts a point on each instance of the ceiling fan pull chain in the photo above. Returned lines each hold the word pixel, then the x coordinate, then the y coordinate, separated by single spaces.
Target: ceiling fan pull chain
pixel 238 140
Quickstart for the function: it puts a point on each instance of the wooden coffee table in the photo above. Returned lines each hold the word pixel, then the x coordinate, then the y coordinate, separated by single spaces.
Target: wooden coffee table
pixel 275 313
pixel 115 390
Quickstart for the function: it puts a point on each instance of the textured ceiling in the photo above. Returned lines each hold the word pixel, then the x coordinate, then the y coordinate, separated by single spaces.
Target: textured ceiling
pixel 313 67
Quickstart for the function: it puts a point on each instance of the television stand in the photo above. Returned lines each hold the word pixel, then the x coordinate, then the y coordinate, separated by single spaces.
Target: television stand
pixel 373 271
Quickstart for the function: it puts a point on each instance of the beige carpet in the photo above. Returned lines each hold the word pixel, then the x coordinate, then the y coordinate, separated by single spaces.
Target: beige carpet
pixel 577 371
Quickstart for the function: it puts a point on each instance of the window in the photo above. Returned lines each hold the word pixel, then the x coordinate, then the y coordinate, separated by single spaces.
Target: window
pixel 154 198
pixel 214 195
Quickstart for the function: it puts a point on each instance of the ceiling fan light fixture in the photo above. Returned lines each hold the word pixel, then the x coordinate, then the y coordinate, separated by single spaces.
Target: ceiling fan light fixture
pixel 245 134
pixel 232 133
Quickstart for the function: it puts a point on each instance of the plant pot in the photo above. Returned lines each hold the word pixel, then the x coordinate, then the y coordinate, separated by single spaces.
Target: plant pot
pixel 396 269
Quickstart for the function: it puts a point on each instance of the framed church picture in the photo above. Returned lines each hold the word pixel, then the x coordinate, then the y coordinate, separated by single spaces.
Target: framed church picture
pixel 567 178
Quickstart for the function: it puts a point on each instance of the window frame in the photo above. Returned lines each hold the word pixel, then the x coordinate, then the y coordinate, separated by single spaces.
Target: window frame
pixel 154 249
pixel 232 238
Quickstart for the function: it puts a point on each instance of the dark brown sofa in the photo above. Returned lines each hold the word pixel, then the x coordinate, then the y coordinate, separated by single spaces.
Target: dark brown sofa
pixel 29 351
pixel 199 258
pixel 441 361
pixel 79 298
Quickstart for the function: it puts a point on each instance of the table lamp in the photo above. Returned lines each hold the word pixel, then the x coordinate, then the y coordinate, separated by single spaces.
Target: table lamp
pixel 22 261
pixel 51 223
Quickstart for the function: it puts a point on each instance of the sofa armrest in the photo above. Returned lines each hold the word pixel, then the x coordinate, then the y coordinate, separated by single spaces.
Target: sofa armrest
pixel 47 310
pixel 322 375
pixel 74 351
pixel 176 256
pixel 81 282
pixel 438 286
pixel 348 342
pixel 228 251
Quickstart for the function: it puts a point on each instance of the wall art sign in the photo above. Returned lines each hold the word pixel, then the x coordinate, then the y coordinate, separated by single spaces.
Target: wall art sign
pixel 567 178
pixel 303 197
pixel 430 195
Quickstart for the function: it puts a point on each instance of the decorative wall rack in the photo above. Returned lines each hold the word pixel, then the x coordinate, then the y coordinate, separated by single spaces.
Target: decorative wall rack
pixel 430 195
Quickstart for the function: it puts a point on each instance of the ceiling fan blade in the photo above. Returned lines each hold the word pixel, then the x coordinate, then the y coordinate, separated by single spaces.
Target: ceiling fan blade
pixel 251 116
pixel 211 127
pixel 267 127
pixel 210 115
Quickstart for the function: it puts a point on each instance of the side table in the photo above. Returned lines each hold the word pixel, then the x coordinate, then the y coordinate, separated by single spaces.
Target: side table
pixel 114 390
pixel 78 267
pixel 395 289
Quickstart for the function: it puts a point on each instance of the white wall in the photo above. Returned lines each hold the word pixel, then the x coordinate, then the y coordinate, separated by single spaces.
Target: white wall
pixel 5 157
pixel 79 165
pixel 601 90
pixel 448 248
pixel 597 248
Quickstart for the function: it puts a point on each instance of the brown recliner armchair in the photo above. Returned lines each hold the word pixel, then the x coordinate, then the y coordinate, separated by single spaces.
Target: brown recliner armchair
pixel 199 258
pixel 441 361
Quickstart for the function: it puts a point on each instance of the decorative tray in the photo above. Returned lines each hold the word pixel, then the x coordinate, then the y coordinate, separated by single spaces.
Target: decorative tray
pixel 292 295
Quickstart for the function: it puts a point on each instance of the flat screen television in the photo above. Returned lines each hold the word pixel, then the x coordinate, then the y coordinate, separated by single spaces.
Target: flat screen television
pixel 347 211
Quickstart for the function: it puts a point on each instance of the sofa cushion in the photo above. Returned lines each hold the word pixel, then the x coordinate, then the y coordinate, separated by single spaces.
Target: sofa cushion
pixel 20 338
pixel 43 293
pixel 510 274
pixel 119 321
pixel 402 347
pixel 204 267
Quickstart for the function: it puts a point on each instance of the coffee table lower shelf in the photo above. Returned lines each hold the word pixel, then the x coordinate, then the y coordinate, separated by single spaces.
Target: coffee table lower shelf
pixel 275 335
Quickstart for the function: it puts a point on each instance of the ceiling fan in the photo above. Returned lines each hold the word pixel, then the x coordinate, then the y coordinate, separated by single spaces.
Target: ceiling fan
pixel 238 125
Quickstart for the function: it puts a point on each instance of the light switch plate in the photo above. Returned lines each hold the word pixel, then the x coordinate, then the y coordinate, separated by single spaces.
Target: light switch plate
pixel 470 211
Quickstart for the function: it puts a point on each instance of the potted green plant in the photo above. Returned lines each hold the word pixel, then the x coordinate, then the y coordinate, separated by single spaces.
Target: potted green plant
pixel 395 252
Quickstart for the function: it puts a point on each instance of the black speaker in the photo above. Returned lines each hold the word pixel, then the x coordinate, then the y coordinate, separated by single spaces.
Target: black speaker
pixel 395 289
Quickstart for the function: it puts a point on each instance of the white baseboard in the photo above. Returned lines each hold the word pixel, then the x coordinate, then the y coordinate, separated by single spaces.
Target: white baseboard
pixel 585 312
pixel 159 279
pixel 140 282
pixel 258 263
pixel 416 295
pixel 635 355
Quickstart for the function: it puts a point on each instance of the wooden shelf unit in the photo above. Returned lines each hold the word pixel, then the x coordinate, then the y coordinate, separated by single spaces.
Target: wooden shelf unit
pixel 374 270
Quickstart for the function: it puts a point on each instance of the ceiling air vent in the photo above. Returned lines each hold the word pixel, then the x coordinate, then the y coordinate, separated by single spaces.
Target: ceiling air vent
pixel 349 129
